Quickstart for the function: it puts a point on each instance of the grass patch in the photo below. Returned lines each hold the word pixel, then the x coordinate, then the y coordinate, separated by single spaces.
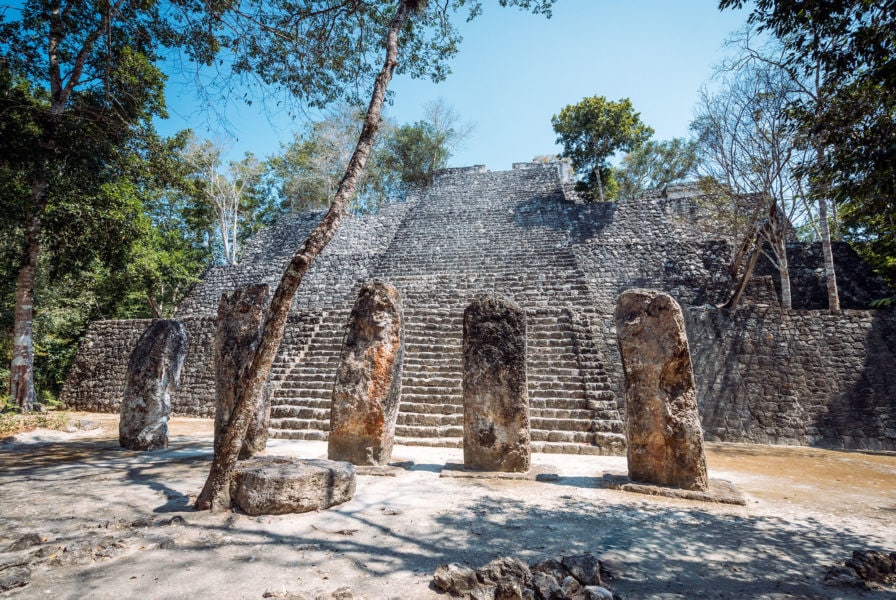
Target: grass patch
pixel 12 423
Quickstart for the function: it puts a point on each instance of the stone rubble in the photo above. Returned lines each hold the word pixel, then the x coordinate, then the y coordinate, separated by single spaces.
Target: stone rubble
pixel 575 577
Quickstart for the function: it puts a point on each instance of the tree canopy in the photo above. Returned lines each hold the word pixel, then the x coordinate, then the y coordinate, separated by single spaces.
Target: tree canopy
pixel 593 130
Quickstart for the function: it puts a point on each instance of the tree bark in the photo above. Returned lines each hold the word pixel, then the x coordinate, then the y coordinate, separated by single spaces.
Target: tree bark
pixel 21 372
pixel 747 272
pixel 829 274
pixel 215 494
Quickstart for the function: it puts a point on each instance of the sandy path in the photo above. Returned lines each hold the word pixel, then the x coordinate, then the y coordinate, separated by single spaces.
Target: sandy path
pixel 105 517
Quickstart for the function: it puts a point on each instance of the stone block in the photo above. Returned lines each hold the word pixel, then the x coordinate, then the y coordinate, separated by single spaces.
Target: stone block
pixel 496 400
pixel 276 485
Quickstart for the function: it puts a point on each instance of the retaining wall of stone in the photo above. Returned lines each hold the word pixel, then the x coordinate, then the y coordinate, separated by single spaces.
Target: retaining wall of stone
pixel 796 377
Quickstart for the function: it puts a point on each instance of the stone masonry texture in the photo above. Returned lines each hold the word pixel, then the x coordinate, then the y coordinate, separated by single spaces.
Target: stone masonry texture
pixel 524 234
pixel 496 401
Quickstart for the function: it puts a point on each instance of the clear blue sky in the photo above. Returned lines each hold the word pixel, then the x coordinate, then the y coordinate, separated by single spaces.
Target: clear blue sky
pixel 515 70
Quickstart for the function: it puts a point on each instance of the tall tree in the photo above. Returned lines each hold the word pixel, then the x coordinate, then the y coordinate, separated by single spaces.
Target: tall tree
pixel 654 165
pixel 411 18
pixel 232 196
pixel 752 159
pixel 847 49
pixel 91 82
pixel 593 130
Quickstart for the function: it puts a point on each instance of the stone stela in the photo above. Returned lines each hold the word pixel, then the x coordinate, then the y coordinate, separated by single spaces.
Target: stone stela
pixel 240 320
pixel 662 425
pixel 496 399
pixel 153 372
pixel 368 380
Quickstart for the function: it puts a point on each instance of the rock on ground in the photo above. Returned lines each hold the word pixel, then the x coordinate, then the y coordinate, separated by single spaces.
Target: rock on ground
pixel 495 391
pixel 153 373
pixel 662 425
pixel 368 381
pixel 275 485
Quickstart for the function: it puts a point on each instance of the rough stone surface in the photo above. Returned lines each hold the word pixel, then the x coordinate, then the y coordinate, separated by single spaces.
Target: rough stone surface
pixel 496 400
pixel 509 578
pixel 801 377
pixel 665 440
pixel 14 577
pixel 153 372
pixel 274 485
pixel 368 381
pixel 455 579
pixel 240 320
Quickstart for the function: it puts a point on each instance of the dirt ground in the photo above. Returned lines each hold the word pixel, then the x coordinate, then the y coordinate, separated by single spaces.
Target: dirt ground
pixel 112 523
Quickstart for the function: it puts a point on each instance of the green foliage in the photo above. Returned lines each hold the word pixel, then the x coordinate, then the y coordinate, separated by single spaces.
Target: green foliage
pixel 411 153
pixel 851 46
pixel 654 165
pixel 305 174
pixel 592 131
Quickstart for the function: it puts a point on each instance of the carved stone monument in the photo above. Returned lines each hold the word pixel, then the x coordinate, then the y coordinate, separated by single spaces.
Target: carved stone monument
pixel 662 425
pixel 496 400
pixel 239 324
pixel 153 373
pixel 368 380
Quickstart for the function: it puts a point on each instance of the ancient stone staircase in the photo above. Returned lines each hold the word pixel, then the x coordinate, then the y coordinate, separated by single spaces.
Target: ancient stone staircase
pixel 489 232
pixel 302 377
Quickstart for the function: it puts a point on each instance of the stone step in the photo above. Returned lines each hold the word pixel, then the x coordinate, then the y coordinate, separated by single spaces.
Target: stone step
pixel 429 431
pixel 406 419
pixel 300 412
pixel 297 434
pixel 577 437
pixel 565 425
pixel 293 423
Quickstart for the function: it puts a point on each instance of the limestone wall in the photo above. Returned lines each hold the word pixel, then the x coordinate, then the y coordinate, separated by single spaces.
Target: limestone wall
pixel 800 377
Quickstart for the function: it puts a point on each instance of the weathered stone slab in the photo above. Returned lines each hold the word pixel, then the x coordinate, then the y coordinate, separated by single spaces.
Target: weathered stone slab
pixel 367 391
pixel 496 400
pixel 717 490
pixel 276 485
pixel 662 425
pixel 239 324
pixel 153 373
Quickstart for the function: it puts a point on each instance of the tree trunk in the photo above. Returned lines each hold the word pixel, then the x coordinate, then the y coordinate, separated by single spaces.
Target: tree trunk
pixel 784 275
pixel 747 272
pixel 215 494
pixel 829 274
pixel 21 372
pixel 600 185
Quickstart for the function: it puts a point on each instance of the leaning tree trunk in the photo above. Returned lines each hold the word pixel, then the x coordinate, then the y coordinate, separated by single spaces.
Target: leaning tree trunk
pixel 753 243
pixel 215 494
pixel 21 372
